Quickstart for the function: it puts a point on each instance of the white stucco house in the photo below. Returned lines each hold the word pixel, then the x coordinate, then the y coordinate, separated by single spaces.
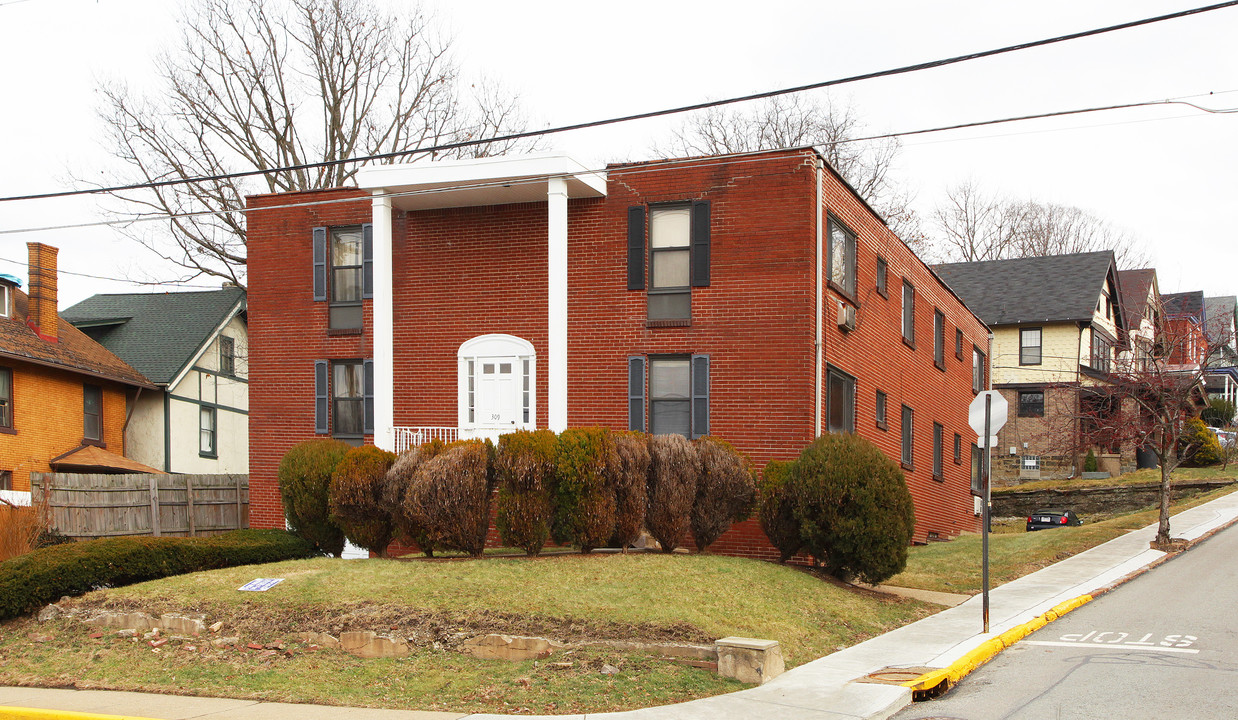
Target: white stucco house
pixel 194 347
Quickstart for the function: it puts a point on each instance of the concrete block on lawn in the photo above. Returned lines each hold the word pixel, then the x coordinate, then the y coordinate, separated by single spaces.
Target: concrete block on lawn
pixel 750 660
pixel 368 644
pixel 514 648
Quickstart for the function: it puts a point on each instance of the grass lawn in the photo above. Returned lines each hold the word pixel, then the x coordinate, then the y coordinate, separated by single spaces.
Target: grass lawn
pixel 1139 477
pixel 438 603
pixel 1013 552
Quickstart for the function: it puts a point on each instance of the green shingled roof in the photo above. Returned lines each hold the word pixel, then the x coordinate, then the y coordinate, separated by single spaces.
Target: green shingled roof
pixel 157 333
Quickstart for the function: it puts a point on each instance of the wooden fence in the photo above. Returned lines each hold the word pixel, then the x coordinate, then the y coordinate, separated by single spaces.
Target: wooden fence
pixel 98 505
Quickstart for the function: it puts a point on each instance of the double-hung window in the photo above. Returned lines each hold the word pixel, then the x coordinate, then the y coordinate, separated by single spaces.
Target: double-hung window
pixel 206 432
pixel 678 394
pixel 841 401
pixel 1031 403
pixel 909 313
pixel 881 410
pixel 92 413
pixel 6 399
pixel 344 398
pixel 1030 340
pixel 939 339
pixel 883 273
pixel 343 272
pixel 227 355
pixel 677 257
pixel 977 370
pixel 907 456
pixel 842 258
pixel 958 343
pixel 938 450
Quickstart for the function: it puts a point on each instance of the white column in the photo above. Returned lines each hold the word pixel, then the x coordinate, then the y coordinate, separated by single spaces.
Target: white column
pixel 556 201
pixel 384 330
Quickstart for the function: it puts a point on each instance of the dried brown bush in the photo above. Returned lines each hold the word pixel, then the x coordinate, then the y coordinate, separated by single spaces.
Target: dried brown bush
pixel 357 498
pixel 395 489
pixel 20 528
pixel 629 476
pixel 450 497
pixel 524 467
pixel 725 490
pixel 672 488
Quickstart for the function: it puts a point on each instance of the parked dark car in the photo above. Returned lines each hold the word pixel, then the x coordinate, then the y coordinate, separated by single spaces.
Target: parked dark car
pixel 1045 519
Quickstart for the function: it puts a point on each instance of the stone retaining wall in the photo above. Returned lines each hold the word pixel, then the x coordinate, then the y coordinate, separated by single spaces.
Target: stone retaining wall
pixel 1122 498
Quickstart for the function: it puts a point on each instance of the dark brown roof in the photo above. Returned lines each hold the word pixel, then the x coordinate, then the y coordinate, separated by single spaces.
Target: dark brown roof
pixel 1135 285
pixel 74 351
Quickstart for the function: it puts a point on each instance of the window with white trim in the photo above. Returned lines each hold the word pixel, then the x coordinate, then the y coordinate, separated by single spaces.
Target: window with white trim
pixel 206 432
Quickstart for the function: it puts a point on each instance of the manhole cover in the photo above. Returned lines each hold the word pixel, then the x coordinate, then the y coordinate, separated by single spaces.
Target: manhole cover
pixel 895 675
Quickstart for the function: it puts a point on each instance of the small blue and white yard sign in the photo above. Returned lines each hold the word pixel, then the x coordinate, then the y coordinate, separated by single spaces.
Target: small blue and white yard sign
pixel 260 584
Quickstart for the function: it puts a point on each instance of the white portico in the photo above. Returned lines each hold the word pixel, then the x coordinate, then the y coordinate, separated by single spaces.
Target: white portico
pixel 496 371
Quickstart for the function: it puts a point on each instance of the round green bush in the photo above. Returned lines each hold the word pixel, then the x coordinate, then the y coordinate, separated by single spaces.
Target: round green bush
pixel 776 511
pixel 305 487
pixel 356 500
pixel 853 507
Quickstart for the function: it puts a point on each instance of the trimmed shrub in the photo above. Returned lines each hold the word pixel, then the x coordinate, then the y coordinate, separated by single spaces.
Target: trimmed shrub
pixel 725 490
pixel 43 576
pixel 584 500
pixel 853 507
pixel 1090 463
pixel 777 509
pixel 449 498
pixel 672 489
pixel 305 487
pixel 1219 413
pixel 395 490
pixel 524 467
pixel 629 476
pixel 1198 446
pixel 357 498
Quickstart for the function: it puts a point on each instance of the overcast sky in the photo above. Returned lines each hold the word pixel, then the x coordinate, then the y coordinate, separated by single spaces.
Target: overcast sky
pixel 1166 174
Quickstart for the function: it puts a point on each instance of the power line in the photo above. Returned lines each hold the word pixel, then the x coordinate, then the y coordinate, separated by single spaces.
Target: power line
pixel 638 116
pixel 645 167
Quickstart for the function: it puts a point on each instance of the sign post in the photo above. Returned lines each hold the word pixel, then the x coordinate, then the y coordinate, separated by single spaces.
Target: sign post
pixel 986 415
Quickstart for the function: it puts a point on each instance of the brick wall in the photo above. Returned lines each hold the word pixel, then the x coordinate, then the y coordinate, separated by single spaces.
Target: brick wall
pixel 464 272
pixel 48 419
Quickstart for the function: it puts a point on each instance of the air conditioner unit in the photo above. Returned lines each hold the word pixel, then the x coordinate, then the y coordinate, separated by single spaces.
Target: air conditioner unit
pixel 846 316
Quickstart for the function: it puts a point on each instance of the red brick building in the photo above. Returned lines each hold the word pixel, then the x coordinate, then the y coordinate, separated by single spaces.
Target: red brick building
pixel 752 297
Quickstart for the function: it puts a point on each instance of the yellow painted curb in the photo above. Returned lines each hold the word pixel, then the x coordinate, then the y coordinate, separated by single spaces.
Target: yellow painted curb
pixel 20 713
pixel 990 648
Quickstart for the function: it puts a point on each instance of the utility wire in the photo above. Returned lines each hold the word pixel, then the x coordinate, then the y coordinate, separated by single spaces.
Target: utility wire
pixel 654 166
pixel 639 116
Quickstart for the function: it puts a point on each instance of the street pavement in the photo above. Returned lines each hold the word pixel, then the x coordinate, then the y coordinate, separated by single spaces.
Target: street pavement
pixel 1161 646
pixel 830 688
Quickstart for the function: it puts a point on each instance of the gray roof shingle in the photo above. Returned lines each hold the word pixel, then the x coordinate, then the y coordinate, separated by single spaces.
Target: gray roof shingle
pixel 1184 304
pixel 1057 288
pixel 157 333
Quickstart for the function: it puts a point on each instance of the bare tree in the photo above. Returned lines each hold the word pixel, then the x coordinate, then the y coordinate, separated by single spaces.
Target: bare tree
pixel 789 121
pixel 263 86
pixel 1146 402
pixel 974 225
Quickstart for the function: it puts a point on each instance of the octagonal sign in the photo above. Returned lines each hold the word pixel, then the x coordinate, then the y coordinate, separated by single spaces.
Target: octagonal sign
pixel 998 408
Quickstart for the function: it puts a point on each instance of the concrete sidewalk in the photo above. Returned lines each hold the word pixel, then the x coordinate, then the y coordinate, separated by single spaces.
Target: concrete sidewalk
pixel 824 689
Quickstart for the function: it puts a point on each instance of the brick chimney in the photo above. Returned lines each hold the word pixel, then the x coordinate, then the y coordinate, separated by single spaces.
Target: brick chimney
pixel 42 316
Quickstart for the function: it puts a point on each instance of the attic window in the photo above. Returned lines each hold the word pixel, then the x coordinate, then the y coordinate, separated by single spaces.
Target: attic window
pixel 6 295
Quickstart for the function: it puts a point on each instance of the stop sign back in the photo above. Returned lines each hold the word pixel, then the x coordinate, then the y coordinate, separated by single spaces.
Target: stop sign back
pixel 998 408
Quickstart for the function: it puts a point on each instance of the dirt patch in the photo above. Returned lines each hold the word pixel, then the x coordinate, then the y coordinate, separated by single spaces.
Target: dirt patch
pixel 421 627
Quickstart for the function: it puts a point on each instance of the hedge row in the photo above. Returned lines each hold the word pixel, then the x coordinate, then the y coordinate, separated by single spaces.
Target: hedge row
pixel 43 576
pixel 587 487
pixel 843 502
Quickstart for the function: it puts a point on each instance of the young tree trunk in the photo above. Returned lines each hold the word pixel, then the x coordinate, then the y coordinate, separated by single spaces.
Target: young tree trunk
pixel 1162 530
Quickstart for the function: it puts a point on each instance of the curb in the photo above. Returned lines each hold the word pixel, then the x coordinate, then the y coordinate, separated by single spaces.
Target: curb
pixel 20 713
pixel 933 684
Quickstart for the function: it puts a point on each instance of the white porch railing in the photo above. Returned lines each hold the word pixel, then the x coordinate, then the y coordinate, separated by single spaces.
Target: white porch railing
pixel 410 437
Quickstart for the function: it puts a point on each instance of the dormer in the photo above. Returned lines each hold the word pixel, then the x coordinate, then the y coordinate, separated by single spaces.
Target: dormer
pixel 8 291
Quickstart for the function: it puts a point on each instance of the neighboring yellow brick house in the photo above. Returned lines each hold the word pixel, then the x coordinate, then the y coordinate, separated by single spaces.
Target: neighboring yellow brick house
pixel 63 397
pixel 1057 324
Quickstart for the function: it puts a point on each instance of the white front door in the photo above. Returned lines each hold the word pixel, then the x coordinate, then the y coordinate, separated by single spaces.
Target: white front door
pixel 498 396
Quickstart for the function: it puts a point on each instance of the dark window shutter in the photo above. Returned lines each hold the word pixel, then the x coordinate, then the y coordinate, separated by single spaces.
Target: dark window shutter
pixel 320 263
pixel 369 397
pixel 700 395
pixel 320 397
pixel 636 394
pixel 636 247
pixel 367 261
pixel 700 243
